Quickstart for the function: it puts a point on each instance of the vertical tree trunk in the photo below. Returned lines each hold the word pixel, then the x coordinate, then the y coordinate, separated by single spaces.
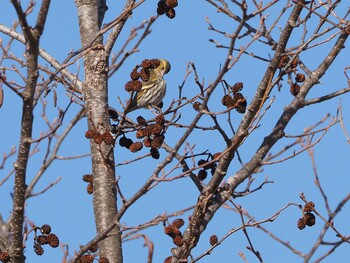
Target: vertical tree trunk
pixel 17 217
pixel 32 37
pixel 95 93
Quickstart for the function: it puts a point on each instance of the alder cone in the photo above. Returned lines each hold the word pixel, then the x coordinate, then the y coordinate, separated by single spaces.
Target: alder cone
pixel 52 240
pixel 38 249
pixel 294 89
pixel 310 219
pixel 213 240
pixel 46 229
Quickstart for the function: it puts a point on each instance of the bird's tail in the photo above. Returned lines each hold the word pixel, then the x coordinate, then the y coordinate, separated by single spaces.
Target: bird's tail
pixel 131 106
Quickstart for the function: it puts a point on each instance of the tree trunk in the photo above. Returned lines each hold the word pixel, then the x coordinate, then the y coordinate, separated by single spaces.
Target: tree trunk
pixel 95 92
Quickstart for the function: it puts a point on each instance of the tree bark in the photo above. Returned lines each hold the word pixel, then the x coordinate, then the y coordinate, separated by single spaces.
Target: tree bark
pixel 95 92
pixel 32 37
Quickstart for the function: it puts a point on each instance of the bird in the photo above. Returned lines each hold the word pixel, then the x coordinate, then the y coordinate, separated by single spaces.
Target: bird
pixel 153 87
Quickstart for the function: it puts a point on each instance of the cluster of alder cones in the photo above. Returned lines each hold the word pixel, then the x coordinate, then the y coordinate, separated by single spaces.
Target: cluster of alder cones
pixel 89 179
pixel 237 100
pixel 46 238
pixel 233 100
pixel 173 230
pixel 138 75
pixel 308 218
pixel 299 77
pixel 153 135
pixel 167 7
pixel 100 137
pixel 89 258
pixel 207 165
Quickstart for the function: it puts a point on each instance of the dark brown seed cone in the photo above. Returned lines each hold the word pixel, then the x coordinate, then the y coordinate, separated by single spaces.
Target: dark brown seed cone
pixel 171 3
pixel 93 248
pixel 160 119
pixel 178 240
pixel 162 4
pixel 129 86
pixel 46 229
pixel 168 259
pixel 125 142
pixel 5 257
pixel 38 249
pixel 160 11
pixel 147 142
pixel 146 63
pixel 309 207
pixel 168 230
pixel 310 219
pixel 156 129
pixel 171 13
pixel 128 143
pixel 41 239
pixel 155 63
pixel 148 130
pixel 197 105
pixel 144 73
pixel 53 240
pixel 241 107
pixel 300 77
pixel 202 174
pixel 103 260
pixel 294 89
pixel 240 102
pixel 216 155
pixel 213 240
pixel 294 63
pixel 201 162
pixel 87 259
pixel 237 87
pixel 135 147
pixel 86 178
pixel 133 85
pixel 98 138
pixel 90 188
pixel 178 223
pixel 90 134
pixel 172 231
pixel 141 120
pixel 301 223
pixel 157 141
pixel 155 153
pixel 134 75
pixel 137 85
pixel 238 96
pixel 283 61
pixel 140 134
pixel 206 166
pixel 162 7
pixel 122 141
pixel 227 101
pixel 108 138
pixel 113 115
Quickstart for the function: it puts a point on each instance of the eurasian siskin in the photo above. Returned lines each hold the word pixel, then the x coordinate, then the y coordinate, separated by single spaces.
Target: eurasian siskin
pixel 153 85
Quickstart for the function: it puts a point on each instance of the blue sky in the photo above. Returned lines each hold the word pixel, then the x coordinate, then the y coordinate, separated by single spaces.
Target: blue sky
pixel 67 207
